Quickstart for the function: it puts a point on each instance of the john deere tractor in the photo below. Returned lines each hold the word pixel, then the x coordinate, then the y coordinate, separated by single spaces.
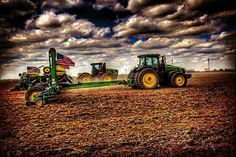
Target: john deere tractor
pixel 99 73
pixel 153 71
pixel 33 77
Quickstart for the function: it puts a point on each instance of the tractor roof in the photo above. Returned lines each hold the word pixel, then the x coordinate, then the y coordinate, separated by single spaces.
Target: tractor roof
pixel 149 55
pixel 97 63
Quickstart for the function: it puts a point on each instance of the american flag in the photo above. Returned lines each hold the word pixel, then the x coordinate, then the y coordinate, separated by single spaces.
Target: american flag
pixel 33 69
pixel 64 61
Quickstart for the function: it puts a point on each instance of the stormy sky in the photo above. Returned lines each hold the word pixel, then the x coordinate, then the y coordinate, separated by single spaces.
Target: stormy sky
pixel 115 32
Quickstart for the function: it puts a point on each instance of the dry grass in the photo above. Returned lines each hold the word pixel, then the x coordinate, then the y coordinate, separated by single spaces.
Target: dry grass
pixel 194 121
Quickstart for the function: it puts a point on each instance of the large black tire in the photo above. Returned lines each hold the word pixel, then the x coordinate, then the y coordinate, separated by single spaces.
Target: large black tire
pixel 178 80
pixel 31 92
pixel 84 77
pixel 143 81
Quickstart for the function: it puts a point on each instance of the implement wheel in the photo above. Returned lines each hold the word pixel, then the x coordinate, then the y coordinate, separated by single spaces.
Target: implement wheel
pixel 106 77
pixel 178 80
pixel 40 102
pixel 46 70
pixel 85 77
pixel 31 93
pixel 147 79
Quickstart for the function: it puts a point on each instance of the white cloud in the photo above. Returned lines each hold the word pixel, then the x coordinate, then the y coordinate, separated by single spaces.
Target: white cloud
pixel 195 30
pixel 88 43
pixel 155 42
pixel 50 19
pixel 101 32
pixel 135 5
pixel 158 10
pixel 220 36
pixel 63 3
pixel 186 43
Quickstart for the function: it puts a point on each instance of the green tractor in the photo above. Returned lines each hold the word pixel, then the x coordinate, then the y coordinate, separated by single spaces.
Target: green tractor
pixel 99 72
pixel 153 71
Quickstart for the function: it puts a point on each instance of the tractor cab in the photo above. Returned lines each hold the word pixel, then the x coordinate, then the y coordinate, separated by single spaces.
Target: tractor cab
pixel 152 60
pixel 98 68
pixel 149 60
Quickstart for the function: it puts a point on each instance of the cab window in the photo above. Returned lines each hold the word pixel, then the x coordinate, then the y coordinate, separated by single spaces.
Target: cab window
pixel 142 61
pixel 97 66
pixel 149 61
pixel 155 60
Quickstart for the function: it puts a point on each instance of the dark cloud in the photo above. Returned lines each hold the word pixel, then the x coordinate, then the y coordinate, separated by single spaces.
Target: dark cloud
pixel 210 6
pixel 20 7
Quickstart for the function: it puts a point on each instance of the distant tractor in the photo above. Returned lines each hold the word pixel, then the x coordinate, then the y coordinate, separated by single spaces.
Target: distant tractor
pixel 153 71
pixel 99 72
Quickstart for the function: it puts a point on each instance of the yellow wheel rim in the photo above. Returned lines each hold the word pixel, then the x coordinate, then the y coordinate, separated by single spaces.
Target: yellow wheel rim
pixel 46 70
pixel 107 78
pixel 86 78
pixel 39 102
pixel 179 80
pixel 32 95
pixel 149 80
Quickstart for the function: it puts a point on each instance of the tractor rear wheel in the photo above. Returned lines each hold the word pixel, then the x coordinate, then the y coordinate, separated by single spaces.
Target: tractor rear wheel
pixel 85 77
pixel 178 80
pixel 147 79
pixel 107 77
pixel 31 93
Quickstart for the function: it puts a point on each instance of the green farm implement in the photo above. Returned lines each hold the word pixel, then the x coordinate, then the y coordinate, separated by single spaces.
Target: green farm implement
pixel 33 77
pixel 151 72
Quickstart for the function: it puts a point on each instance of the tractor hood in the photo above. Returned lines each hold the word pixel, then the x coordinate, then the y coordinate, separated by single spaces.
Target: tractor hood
pixel 169 67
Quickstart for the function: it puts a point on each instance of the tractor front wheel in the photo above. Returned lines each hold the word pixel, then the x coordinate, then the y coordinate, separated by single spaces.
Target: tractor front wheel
pixel 31 93
pixel 147 79
pixel 178 80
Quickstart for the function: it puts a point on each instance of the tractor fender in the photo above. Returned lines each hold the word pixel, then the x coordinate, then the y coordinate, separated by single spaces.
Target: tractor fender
pixel 140 69
pixel 80 74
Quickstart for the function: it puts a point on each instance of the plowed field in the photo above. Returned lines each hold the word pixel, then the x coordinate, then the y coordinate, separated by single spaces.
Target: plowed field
pixel 198 120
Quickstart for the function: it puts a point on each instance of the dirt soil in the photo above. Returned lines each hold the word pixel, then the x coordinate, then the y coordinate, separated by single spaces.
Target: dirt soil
pixel 198 120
